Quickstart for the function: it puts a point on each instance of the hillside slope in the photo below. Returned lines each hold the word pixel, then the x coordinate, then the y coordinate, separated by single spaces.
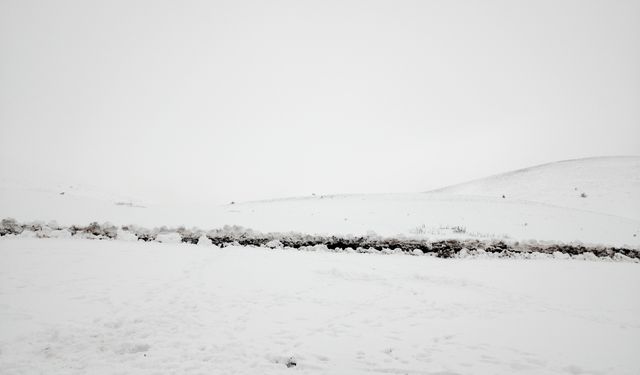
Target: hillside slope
pixel 609 185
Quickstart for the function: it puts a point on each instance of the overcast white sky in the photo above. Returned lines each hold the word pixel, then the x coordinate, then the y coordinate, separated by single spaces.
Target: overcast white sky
pixel 237 100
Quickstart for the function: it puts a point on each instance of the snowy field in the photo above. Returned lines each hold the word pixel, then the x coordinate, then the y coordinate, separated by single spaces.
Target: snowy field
pixel 73 306
pixel 79 306
pixel 542 203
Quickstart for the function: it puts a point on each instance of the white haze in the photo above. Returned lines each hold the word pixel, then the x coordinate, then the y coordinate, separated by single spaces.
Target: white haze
pixel 219 101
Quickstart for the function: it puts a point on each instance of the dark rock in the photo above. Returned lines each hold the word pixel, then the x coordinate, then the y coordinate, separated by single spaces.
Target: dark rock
pixel 291 362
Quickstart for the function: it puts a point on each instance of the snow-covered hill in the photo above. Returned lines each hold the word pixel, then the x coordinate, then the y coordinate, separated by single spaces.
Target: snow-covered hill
pixel 609 185
pixel 540 203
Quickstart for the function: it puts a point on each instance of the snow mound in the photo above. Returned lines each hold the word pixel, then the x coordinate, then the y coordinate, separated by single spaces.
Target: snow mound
pixel 125 235
pixel 204 241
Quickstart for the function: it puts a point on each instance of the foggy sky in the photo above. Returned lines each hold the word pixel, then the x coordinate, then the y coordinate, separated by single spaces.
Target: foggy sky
pixel 238 100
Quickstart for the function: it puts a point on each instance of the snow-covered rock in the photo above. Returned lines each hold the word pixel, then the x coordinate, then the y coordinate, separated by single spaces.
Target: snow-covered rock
pixel 172 237
pixel 125 235
pixel 61 233
pixel 274 244
pixel 204 241
pixel 320 247
pixel 28 234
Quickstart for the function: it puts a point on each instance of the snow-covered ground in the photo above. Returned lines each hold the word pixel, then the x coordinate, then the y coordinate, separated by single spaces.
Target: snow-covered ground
pixel 540 203
pixel 78 306
pixel 609 185
pixel 72 306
